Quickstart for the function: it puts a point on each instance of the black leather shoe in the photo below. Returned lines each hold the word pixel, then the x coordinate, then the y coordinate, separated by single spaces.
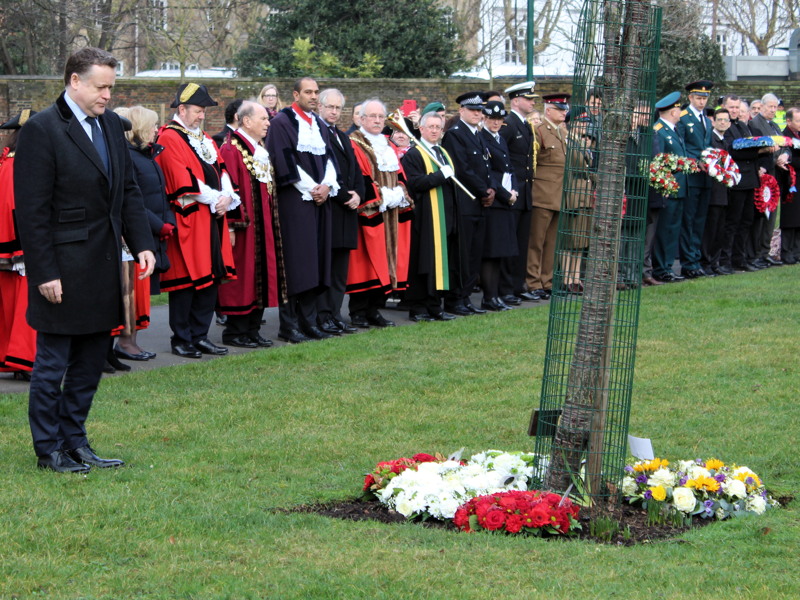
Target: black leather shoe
pixel 330 327
pixel 359 321
pixel 380 321
pixel 120 353
pixel 460 310
pixel 692 273
pixel 261 341
pixel 419 317
pixel 511 300
pixel 149 355
pixel 670 277
pixel 114 362
pixel 186 351
pixel 241 341
pixel 494 305
pixel 527 297
pixel 87 456
pixel 789 259
pixel 107 368
pixel 473 309
pixel 60 462
pixel 760 263
pixel 293 336
pixel 540 294
pixel 206 346
pixel 443 316
pixel 315 333
pixel 344 327
pixel 773 262
pixel 745 267
pixel 723 270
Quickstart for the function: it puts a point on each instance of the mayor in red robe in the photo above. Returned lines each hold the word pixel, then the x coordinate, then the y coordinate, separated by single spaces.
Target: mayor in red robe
pixel 17 338
pixel 200 193
pixel 379 264
pixel 253 226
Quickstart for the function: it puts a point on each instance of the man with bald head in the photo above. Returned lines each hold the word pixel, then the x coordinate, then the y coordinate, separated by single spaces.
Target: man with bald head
pixel 250 228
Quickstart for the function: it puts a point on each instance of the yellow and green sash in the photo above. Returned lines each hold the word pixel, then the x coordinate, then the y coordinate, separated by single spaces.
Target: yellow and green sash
pixel 439 233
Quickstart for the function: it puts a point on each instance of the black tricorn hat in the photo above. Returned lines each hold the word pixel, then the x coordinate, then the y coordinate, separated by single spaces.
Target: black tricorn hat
pixel 19 120
pixel 192 93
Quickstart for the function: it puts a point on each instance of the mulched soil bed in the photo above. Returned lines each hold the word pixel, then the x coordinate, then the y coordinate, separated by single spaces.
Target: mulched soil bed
pixel 631 519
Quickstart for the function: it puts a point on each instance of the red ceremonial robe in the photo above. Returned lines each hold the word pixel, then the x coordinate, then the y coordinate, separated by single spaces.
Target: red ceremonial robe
pixel 17 338
pixel 384 238
pixel 200 254
pixel 254 254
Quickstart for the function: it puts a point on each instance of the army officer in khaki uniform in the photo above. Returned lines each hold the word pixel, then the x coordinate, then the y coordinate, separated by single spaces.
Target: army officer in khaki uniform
pixel 548 184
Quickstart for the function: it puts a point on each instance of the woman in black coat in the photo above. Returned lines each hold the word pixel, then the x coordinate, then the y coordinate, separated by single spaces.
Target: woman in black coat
pixel 501 232
pixel 150 178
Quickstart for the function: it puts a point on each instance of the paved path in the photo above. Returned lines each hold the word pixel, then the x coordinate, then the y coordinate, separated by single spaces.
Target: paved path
pixel 156 339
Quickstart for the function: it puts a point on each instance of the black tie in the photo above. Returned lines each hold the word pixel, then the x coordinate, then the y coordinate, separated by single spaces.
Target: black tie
pixel 334 135
pixel 99 143
pixel 439 155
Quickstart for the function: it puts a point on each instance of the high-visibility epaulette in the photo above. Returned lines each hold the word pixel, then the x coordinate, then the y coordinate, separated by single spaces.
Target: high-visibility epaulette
pixel 657 126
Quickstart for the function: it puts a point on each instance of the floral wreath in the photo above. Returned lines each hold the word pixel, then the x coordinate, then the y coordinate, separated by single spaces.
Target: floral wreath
pixel 662 168
pixel 720 166
pixel 767 195
pixel 765 141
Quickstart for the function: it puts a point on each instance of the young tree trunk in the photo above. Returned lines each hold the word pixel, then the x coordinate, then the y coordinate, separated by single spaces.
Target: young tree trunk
pixel 581 429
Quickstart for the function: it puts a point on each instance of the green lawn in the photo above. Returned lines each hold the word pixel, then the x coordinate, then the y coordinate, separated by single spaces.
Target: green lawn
pixel 214 447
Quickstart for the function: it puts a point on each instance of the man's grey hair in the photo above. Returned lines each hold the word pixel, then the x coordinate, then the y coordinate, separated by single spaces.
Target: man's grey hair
pixel 769 98
pixel 247 109
pixel 430 115
pixel 363 110
pixel 323 96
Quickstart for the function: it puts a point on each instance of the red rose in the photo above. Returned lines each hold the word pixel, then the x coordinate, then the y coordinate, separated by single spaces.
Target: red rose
pixel 422 457
pixel 482 508
pixel 514 523
pixel 461 519
pixel 369 481
pixel 494 520
pixel 507 503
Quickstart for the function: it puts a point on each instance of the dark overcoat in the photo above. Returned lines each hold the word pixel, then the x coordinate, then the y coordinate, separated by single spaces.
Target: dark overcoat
pixel 71 220
pixel 344 221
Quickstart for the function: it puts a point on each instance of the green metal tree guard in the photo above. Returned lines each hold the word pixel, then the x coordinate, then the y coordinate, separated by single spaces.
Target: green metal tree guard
pixel 582 421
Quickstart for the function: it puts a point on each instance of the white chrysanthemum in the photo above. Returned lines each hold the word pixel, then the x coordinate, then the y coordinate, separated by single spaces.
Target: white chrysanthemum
pixel 735 488
pixel 756 504
pixel 662 477
pixel 697 471
pixel 629 487
pixel 684 466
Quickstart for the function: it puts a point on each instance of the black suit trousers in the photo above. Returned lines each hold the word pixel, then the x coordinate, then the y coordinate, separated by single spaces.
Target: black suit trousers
pixel 66 373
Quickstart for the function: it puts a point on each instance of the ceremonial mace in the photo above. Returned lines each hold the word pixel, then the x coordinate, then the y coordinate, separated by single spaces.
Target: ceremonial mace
pixel 397 121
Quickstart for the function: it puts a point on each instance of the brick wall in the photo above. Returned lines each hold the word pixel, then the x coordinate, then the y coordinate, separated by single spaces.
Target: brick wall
pixel 21 92
pixel 17 93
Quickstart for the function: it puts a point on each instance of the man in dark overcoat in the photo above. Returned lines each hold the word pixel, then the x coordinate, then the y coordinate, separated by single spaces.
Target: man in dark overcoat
pixel 76 198
pixel 344 218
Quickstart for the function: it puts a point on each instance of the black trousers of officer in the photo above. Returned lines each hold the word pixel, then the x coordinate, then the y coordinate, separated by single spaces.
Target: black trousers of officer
pixel 190 314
